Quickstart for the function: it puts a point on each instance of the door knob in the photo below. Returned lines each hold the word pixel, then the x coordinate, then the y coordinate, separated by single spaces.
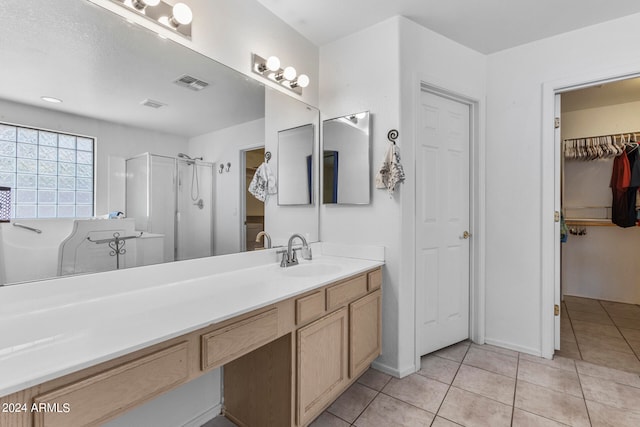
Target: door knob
pixel 466 235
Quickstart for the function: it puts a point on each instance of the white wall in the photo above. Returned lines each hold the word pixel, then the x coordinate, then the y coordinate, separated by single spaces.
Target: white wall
pixel 222 147
pixel 408 53
pixel 520 179
pixel 349 84
pixel 114 143
pixel 600 264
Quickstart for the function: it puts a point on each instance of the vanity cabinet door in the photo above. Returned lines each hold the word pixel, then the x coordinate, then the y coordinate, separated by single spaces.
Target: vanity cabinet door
pixel 321 364
pixel 365 332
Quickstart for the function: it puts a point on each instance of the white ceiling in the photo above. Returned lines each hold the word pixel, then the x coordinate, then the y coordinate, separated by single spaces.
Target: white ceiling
pixel 486 26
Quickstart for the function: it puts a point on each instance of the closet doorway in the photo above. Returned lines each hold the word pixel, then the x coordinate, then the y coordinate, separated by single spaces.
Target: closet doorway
pixel 253 209
pixel 599 268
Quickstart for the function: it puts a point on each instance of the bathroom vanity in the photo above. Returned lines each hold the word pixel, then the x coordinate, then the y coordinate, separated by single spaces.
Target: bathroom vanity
pixel 291 340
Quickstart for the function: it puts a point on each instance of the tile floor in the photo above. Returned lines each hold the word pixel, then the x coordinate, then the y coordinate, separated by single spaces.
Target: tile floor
pixel 472 385
pixel 593 381
pixel 602 332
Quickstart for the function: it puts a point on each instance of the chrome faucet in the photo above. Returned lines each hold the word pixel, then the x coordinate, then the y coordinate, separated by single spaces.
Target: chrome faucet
pixel 289 257
pixel 267 239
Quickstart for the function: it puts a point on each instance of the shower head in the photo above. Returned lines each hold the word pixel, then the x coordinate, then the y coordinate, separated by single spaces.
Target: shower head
pixel 184 156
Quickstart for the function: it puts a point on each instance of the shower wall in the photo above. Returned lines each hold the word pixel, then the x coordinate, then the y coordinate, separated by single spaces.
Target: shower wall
pixel 194 222
pixel 158 194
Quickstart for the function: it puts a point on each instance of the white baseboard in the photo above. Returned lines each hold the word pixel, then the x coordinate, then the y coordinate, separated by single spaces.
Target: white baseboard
pixel 514 347
pixel 204 417
pixel 398 373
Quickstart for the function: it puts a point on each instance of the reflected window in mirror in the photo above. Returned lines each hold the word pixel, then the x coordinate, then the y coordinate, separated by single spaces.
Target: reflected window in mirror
pixel 346 160
pixel 50 173
pixel 295 166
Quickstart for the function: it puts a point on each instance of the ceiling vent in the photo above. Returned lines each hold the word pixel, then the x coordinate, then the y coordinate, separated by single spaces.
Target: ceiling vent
pixel 191 82
pixel 153 104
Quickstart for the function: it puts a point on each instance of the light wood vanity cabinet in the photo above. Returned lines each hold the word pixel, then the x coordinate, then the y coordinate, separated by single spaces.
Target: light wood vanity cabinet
pixel 335 350
pixel 283 364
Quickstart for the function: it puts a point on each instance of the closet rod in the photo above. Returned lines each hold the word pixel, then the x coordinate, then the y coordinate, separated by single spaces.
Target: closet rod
pixel 613 135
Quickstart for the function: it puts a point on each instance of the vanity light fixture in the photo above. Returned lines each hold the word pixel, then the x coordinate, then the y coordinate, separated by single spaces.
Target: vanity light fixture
pixel 287 77
pixel 176 17
pixel 142 4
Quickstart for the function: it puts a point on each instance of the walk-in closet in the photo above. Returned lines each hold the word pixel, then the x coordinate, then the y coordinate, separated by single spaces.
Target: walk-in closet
pixel 600 249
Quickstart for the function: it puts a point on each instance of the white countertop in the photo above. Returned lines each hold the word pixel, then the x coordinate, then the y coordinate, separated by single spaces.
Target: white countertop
pixel 55 327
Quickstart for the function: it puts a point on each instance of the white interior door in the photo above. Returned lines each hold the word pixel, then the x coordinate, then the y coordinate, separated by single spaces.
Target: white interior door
pixel 442 222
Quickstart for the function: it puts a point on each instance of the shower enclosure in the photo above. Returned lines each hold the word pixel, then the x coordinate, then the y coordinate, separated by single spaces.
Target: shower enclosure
pixel 172 196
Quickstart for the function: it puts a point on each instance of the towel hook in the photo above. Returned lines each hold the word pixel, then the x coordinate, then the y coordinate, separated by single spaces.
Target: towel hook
pixel 392 136
pixel 267 156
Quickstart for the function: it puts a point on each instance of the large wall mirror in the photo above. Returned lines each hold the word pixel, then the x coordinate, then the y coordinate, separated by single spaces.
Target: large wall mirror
pixel 147 129
pixel 346 160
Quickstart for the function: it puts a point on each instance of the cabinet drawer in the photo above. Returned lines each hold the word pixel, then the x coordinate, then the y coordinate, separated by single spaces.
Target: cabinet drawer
pixel 374 280
pixel 106 395
pixel 309 307
pixel 232 341
pixel 341 294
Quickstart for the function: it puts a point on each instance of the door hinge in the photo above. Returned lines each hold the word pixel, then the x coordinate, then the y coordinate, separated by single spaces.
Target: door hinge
pixel 556 123
pixel 556 310
pixel 556 216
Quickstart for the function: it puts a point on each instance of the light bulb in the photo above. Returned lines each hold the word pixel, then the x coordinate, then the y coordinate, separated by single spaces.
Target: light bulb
pixel 303 80
pixel 273 63
pixel 289 73
pixel 141 4
pixel 182 15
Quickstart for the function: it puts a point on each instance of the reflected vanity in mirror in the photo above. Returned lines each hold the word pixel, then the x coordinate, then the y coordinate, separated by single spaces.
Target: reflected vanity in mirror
pixel 345 160
pixel 163 118
pixel 295 168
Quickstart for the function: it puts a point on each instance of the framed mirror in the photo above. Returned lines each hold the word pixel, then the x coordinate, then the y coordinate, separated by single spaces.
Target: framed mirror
pixel 295 168
pixel 157 111
pixel 346 160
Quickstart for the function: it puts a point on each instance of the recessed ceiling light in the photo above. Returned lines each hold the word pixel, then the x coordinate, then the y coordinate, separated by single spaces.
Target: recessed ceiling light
pixel 51 99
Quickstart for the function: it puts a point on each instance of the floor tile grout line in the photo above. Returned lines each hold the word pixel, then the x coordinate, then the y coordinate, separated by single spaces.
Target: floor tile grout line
pixel 515 390
pixel 451 383
pixel 573 331
pixel 620 332
pixel 378 392
pixel 406 403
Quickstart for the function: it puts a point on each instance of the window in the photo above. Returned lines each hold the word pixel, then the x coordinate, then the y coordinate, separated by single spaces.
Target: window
pixel 50 173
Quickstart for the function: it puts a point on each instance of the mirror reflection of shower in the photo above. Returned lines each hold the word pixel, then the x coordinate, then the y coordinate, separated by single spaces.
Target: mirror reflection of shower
pixel 195 184
pixel 160 204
